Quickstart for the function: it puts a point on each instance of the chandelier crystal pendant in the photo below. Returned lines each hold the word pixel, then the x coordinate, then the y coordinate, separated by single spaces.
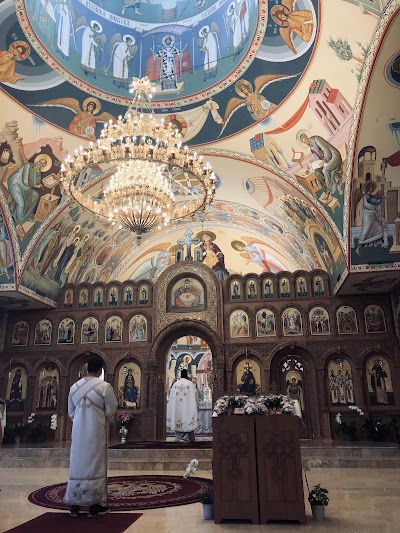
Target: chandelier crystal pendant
pixel 138 174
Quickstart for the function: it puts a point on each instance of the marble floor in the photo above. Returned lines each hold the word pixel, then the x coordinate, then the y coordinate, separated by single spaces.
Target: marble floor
pixel 361 501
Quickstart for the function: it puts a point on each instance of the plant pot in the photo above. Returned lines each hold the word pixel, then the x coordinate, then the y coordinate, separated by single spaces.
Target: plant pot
pixel 318 512
pixel 208 511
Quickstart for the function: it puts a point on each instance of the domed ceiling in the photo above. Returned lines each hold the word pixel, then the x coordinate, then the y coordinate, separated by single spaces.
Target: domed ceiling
pixel 271 92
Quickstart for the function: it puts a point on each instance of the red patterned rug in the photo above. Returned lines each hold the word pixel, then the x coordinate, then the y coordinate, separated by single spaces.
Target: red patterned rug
pixel 63 523
pixel 134 493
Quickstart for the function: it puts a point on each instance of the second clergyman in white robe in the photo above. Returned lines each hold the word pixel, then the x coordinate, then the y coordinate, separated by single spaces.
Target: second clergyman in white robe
pixel 183 407
pixel 64 29
pixel 89 44
pixel 91 406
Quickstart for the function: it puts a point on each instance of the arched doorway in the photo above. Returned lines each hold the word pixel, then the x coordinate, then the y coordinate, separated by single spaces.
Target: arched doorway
pixel 160 372
pixel 293 373
pixel 193 354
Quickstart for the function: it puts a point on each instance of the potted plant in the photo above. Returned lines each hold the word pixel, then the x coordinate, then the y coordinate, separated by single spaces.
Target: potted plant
pixel 349 430
pixel 318 498
pixel 14 433
pixel 207 500
pixel 377 430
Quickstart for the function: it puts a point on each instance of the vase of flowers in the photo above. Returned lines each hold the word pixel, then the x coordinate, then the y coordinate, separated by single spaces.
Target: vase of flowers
pixel 124 433
pixel 350 429
pixel 124 419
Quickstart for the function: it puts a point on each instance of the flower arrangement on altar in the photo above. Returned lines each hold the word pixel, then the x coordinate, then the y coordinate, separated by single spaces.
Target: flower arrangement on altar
pixel 53 422
pixel 254 405
pixel 124 418
pixel 33 431
pixel 348 429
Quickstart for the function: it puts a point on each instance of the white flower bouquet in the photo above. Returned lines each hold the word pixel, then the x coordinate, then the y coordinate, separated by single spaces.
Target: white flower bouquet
pixel 53 422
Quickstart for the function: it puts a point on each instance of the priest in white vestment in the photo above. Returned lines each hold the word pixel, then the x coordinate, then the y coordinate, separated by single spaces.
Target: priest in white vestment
pixel 183 408
pixel 65 26
pixel 123 52
pixel 89 45
pixel 91 406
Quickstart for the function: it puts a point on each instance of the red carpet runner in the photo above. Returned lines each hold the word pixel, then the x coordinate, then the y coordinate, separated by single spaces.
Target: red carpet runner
pixel 134 493
pixel 63 523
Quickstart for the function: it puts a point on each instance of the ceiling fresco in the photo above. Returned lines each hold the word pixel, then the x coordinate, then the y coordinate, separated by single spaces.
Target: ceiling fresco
pixel 283 97
pixel 252 235
pixel 236 62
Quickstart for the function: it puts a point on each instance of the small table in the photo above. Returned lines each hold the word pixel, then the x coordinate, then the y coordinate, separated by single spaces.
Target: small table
pixel 205 418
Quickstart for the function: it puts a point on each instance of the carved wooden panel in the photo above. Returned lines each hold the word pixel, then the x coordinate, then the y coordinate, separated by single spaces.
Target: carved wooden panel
pixel 280 482
pixel 234 469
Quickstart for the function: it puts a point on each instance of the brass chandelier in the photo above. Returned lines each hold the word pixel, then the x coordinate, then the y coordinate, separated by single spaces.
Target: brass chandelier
pixel 152 178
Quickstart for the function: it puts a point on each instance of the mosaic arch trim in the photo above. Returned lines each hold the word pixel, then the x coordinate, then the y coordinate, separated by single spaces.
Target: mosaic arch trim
pixel 390 12
pixel 26 9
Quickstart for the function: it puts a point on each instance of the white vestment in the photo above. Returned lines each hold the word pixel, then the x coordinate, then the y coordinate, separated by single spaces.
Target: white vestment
pixel 64 28
pixel 122 55
pixel 91 405
pixel 88 60
pixel 183 407
pixel 210 49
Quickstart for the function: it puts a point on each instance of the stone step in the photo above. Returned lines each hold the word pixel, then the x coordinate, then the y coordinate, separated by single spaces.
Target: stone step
pixel 347 456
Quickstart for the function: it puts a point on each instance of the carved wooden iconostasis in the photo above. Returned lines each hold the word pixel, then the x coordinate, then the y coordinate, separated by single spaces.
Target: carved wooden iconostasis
pixel 242 335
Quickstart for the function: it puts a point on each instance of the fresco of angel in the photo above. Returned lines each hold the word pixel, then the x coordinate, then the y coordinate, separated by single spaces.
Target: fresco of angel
pixel 123 49
pixel 252 252
pixel 256 103
pixel 291 22
pixel 93 44
pixel 208 42
pixel 84 124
